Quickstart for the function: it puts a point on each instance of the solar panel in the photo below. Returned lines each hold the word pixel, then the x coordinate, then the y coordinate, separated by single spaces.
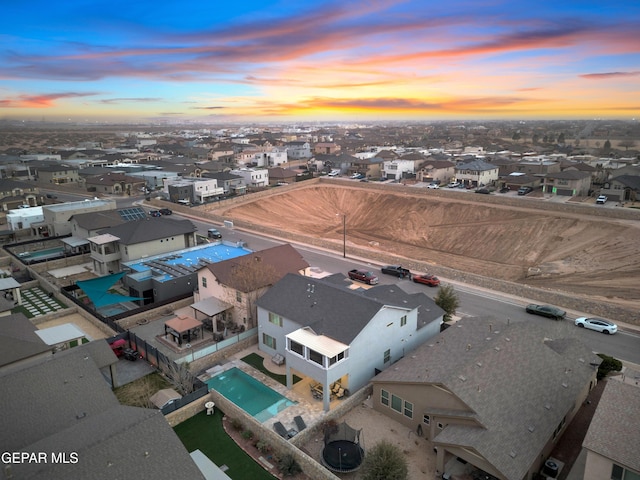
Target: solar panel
pixel 133 213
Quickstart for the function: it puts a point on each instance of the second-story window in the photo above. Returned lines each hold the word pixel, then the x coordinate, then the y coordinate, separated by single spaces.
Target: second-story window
pixel 238 296
pixel 204 282
pixel 275 319
pixel 387 356
pixel 403 320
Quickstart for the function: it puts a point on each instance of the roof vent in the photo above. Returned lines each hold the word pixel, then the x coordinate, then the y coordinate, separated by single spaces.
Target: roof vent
pixel 581 360
pixel 507 339
pixel 497 349
pixel 564 384
pixel 479 364
pixel 512 454
pixel 531 428
pixel 462 377
pixel 547 406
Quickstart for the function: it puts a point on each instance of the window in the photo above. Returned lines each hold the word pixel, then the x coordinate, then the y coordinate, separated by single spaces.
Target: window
pixel 387 356
pixel 315 357
pixel 384 397
pixel 337 358
pixel 275 319
pixel 403 320
pixel 396 403
pixel 408 409
pixel 426 419
pixel 204 282
pixel 296 347
pixel 269 341
pixel 440 425
pixel 620 473
pixel 238 296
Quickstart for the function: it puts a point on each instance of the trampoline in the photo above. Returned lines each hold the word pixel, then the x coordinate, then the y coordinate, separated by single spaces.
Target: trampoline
pixel 342 450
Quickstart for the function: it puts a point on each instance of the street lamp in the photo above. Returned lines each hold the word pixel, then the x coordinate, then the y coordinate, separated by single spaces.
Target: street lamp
pixel 344 234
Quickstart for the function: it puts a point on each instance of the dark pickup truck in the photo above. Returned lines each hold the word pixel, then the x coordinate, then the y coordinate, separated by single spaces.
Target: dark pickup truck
pixel 363 276
pixel 396 270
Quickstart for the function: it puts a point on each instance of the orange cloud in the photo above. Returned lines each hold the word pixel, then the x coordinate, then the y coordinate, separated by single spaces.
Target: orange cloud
pixel 41 101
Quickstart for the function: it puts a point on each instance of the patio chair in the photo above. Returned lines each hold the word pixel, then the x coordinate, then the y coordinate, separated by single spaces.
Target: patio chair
pixel 281 430
pixel 340 393
pixel 299 423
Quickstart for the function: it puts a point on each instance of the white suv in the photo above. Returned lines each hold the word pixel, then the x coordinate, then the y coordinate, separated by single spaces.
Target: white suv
pixel 601 200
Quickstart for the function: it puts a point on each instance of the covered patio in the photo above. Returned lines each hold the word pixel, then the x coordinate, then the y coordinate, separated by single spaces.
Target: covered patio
pixel 183 327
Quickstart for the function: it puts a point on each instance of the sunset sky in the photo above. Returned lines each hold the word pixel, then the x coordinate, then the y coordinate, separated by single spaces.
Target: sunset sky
pixel 282 61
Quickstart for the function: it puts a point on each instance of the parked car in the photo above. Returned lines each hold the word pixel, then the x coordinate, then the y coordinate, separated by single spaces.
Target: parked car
pixel 214 233
pixel 548 311
pixel 363 276
pixel 165 211
pixel 483 190
pixel 425 279
pixel 154 213
pixel 524 190
pixel 505 189
pixel 601 200
pixel 130 354
pixel 396 270
pixel 334 173
pixel 454 185
pixel 433 185
pixel 597 324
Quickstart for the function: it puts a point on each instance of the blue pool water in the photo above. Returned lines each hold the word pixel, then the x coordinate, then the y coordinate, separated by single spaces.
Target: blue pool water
pixel 255 398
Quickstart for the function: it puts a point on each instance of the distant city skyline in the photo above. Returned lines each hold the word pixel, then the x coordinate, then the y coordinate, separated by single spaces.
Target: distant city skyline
pixel 375 60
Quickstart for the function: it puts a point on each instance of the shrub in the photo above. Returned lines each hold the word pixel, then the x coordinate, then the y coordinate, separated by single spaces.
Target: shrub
pixel 247 434
pixel 608 365
pixel 289 466
pixel 236 424
pixel 385 461
pixel 263 446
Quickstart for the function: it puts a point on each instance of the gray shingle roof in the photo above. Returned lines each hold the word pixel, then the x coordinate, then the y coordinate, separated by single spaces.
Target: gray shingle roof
pixel 95 220
pixel 18 339
pixel 476 166
pixel 614 431
pixel 333 310
pixel 149 229
pixel 569 175
pixel 518 384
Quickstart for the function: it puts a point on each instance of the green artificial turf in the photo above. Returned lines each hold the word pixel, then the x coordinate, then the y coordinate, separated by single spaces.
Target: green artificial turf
pixel 205 433
pixel 257 362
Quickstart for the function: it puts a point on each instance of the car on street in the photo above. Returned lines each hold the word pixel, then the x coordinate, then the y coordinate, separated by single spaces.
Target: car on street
pixel 154 213
pixel 334 173
pixel 434 186
pixel 454 185
pixel 524 190
pixel 483 190
pixel 548 311
pixel 396 270
pixel 601 200
pixel 597 324
pixel 363 276
pixel 214 233
pixel 505 189
pixel 426 279
pixel 165 211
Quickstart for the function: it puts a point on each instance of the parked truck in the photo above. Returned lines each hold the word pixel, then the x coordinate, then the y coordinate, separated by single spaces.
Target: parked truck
pixel 396 270
pixel 363 276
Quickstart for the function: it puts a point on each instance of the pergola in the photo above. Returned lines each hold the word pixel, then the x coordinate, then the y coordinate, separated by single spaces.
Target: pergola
pixel 183 327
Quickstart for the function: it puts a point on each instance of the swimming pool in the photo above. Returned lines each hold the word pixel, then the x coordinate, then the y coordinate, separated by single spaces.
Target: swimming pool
pixel 255 398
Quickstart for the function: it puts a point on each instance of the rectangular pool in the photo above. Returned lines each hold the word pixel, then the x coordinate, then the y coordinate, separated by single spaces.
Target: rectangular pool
pixel 255 398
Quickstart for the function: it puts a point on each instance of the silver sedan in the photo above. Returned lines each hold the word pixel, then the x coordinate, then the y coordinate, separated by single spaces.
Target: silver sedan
pixel 597 324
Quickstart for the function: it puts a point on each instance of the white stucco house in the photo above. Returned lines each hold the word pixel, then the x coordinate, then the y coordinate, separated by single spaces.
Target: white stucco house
pixel 328 333
pixel 253 177
pixel 476 173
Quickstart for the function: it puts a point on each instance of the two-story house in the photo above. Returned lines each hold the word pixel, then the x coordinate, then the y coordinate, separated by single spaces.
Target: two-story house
pixel 298 150
pixel 613 437
pixel 57 216
pixel 115 183
pixel 240 281
pixel 15 193
pixel 57 174
pixel 231 184
pixel 137 239
pixel 567 183
pixel 253 177
pixel 624 185
pixel 273 157
pixel 476 173
pixel 328 333
pixel 402 167
pixel 494 394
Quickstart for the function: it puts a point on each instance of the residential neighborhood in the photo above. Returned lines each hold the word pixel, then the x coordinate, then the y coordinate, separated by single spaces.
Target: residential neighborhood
pixel 158 254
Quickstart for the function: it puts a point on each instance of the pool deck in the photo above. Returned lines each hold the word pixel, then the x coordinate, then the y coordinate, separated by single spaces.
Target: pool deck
pixel 306 406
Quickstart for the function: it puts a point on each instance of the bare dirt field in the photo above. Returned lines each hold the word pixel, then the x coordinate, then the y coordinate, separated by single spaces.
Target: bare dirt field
pixel 589 256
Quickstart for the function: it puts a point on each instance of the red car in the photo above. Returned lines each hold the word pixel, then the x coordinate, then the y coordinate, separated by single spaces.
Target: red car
pixel 430 280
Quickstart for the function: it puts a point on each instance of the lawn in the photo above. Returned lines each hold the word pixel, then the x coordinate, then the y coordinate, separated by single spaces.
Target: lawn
pixel 205 433
pixel 256 361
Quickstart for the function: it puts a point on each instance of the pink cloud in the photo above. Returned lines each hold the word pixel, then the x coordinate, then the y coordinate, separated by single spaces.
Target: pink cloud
pixel 608 75
pixel 41 101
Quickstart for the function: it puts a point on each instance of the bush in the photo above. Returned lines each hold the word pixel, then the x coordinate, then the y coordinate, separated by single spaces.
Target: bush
pixel 608 365
pixel 289 466
pixel 236 424
pixel 385 461
pixel 247 434
pixel 263 446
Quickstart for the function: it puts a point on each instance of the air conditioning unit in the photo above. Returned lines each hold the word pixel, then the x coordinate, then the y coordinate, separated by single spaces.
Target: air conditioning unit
pixel 550 469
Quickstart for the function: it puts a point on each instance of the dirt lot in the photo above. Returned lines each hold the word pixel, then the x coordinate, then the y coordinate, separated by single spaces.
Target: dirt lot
pixel 590 256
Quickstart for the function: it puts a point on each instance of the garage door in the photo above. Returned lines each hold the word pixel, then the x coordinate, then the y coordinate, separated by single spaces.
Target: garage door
pixel 564 192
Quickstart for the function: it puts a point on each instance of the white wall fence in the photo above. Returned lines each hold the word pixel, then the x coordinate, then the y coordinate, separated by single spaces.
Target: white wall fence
pixel 216 347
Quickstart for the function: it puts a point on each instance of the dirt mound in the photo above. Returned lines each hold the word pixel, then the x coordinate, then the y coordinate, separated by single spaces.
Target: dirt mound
pixel 572 253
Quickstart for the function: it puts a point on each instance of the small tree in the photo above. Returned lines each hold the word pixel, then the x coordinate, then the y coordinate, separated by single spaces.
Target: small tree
pixel 447 299
pixel 180 377
pixel 385 461
pixel 608 365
